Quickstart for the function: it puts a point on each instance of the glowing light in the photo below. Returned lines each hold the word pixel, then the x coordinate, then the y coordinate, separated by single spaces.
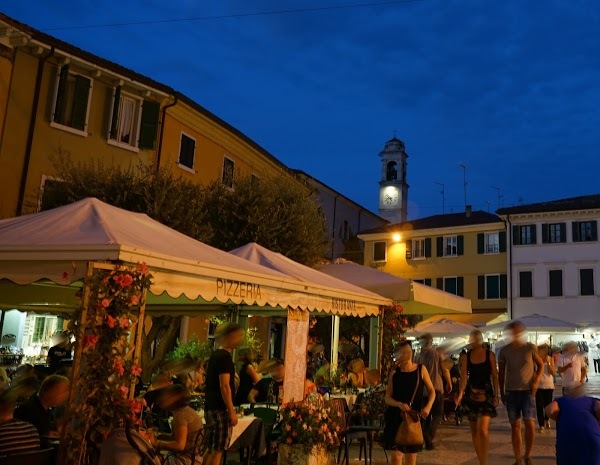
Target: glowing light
pixel 396 237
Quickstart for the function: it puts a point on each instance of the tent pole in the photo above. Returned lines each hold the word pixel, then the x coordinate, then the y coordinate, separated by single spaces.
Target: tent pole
pixel 335 341
pixel 85 301
pixel 139 331
pixel 2 324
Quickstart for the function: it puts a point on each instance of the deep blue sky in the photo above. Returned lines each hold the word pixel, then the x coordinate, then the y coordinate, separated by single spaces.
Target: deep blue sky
pixel 511 88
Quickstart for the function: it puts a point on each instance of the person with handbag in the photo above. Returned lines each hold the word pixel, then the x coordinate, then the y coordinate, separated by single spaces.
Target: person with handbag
pixel 407 406
pixel 478 394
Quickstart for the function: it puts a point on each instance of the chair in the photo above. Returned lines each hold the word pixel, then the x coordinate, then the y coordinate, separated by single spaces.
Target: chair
pixel 201 442
pixel 350 432
pixel 35 457
pixel 149 457
pixel 270 419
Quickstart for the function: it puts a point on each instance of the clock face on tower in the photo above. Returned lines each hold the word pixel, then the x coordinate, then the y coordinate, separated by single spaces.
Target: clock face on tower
pixel 390 197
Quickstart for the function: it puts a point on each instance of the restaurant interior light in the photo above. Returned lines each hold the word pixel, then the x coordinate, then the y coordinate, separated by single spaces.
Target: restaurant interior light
pixel 396 237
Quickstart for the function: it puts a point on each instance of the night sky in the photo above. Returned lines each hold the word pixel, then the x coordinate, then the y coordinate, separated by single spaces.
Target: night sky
pixel 510 88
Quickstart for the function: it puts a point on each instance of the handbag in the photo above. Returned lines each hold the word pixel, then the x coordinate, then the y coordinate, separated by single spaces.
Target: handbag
pixel 410 432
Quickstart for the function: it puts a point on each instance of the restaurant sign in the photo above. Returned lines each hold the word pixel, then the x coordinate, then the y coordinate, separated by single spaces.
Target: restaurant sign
pixel 241 289
pixel 343 305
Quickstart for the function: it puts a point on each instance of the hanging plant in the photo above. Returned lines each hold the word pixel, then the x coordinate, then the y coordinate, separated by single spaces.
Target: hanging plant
pixel 395 323
pixel 104 397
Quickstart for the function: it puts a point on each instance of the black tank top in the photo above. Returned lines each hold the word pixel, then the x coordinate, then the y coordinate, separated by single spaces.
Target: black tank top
pixel 403 387
pixel 480 374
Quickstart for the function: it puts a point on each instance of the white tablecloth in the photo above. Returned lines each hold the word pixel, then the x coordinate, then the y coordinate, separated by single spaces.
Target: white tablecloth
pixel 242 425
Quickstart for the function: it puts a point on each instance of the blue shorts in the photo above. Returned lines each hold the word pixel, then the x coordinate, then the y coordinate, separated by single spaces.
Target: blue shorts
pixel 520 405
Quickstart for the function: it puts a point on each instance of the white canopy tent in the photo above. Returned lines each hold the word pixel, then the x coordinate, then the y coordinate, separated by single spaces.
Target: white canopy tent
pixel 441 328
pixel 48 253
pixel 536 322
pixel 415 298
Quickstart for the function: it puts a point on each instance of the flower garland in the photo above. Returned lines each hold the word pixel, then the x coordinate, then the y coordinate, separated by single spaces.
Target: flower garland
pixel 104 400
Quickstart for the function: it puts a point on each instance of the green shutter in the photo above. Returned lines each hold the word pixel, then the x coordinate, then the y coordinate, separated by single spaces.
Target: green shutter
pixel 428 248
pixel 460 245
pixel 545 234
pixel 563 232
pixel 440 283
pixel 502 240
pixel 575 230
pixel 114 121
pixel 460 286
pixel 61 95
pixel 516 239
pixel 503 286
pixel 439 246
pixel 80 102
pixel 149 124
pixel 481 287
pixel 408 249
pixel 480 243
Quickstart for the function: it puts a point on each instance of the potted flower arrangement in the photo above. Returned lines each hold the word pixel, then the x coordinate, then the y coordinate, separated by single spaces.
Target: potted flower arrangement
pixel 308 432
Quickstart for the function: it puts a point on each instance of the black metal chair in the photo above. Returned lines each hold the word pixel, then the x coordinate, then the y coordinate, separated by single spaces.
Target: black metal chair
pixel 35 457
pixel 270 418
pixel 201 442
pixel 147 457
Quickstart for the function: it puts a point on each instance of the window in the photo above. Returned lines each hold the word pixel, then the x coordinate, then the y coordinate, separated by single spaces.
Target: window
pixel 585 231
pixel 453 285
pixel 418 248
pixel 42 328
pixel 525 284
pixel 133 121
pixel 555 233
pixel 450 246
pixel 586 281
pixel 492 286
pixel 524 235
pixel 228 170
pixel 345 231
pixel 555 282
pixel 492 242
pixel 425 281
pixel 380 251
pixel 71 100
pixel 52 194
pixel 187 152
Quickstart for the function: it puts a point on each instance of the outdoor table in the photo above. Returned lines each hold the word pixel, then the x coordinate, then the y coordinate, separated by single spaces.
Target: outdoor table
pixel 249 433
pixel 350 398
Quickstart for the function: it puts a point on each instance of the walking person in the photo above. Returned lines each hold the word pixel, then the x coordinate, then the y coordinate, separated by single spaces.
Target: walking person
pixel 220 390
pixel 478 394
pixel 571 366
pixel 405 382
pixel 519 373
pixel 577 419
pixel 543 396
pixel 440 378
pixel 595 354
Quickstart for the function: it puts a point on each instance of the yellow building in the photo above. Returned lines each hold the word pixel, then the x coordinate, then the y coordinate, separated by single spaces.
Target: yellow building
pixel 461 253
pixel 57 97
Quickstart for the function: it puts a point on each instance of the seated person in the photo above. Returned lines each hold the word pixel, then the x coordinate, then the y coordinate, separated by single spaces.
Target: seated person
pixel 324 371
pixel 15 436
pixel 160 417
pixel 322 388
pixel 372 404
pixel 357 373
pixel 309 385
pixel 185 427
pixel 267 389
pixel 39 408
pixel 373 381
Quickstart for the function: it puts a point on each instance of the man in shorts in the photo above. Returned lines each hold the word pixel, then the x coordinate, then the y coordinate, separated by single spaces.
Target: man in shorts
pixel 221 416
pixel 519 371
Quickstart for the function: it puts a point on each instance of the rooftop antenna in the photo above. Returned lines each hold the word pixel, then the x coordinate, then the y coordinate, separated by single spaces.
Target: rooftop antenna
pixel 443 192
pixel 464 168
pixel 488 203
pixel 500 196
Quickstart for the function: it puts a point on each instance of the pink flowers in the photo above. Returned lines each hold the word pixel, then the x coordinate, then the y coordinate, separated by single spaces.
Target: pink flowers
pixel 135 300
pixel 288 427
pixel 126 280
pixel 124 323
pixel 90 341
pixel 136 370
pixel 124 390
pixel 106 302
pixel 119 368
pixel 110 321
pixel 143 268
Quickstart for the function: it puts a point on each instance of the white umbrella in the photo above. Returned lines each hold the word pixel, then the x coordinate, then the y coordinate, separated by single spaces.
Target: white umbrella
pixel 442 327
pixel 593 327
pixel 537 322
pixel 452 345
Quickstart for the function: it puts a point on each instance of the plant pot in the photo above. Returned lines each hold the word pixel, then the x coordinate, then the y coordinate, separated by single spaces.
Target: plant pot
pixel 297 455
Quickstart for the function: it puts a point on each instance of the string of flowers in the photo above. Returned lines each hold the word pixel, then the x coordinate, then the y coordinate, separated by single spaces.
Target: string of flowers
pixel 108 371
pixel 395 324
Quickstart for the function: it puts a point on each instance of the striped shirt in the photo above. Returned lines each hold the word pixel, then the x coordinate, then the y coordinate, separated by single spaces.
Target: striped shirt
pixel 18 436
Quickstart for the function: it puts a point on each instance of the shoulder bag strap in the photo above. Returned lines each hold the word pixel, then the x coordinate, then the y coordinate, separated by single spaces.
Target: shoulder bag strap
pixel 417 385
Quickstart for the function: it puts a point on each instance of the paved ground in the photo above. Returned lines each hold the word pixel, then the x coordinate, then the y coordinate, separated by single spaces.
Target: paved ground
pixel 454 443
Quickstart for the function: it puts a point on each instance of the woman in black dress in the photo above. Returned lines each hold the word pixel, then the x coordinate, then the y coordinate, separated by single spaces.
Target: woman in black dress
pixel 400 389
pixel 478 395
pixel 248 376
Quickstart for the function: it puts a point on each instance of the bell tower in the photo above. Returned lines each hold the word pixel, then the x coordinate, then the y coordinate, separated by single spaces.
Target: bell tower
pixel 393 189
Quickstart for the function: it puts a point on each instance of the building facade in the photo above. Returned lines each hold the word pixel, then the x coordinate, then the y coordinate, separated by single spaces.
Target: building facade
pixel 554 259
pixel 460 253
pixel 345 218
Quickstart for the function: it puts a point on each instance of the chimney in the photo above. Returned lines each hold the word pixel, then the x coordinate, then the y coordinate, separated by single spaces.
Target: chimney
pixel 468 210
